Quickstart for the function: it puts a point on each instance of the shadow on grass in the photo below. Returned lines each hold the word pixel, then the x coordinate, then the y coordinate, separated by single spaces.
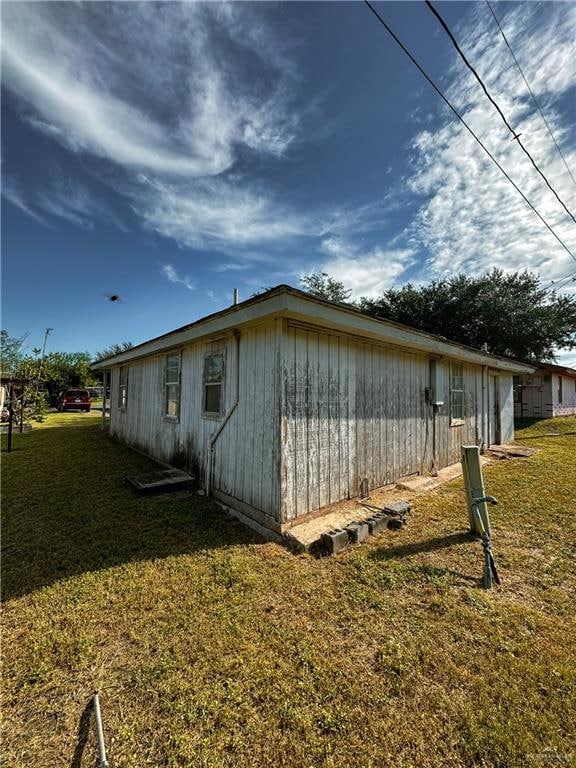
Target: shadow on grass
pixel 430 545
pixel 82 735
pixel 67 510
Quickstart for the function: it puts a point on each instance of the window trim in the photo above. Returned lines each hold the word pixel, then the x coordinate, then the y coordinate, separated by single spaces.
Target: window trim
pixel 222 412
pixel 123 400
pixel 168 416
pixel 456 421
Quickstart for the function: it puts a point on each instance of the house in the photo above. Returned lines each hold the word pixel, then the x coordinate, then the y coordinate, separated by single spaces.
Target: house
pixel 286 403
pixel 549 391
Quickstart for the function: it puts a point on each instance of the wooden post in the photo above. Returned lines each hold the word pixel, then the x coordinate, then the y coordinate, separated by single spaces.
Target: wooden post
pixel 11 416
pixel 474 487
pixel 22 409
pixel 104 374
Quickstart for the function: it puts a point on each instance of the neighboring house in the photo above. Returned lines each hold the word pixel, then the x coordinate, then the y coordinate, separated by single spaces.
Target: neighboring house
pixel 549 391
pixel 286 403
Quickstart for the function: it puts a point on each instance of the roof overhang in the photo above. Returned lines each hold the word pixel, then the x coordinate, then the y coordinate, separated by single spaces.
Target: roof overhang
pixel 285 301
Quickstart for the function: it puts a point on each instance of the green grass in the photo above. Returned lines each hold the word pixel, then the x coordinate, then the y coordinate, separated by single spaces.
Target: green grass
pixel 212 647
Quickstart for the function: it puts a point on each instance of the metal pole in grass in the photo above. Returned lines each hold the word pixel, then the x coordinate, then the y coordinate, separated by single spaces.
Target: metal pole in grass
pixel 102 762
pixel 489 564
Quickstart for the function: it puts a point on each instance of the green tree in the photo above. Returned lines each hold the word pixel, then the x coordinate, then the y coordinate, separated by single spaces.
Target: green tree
pixel 11 352
pixel 506 314
pixel 324 286
pixel 66 370
pixel 113 349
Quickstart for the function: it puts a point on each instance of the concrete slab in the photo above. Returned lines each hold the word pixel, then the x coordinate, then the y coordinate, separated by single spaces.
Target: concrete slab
pixel 421 483
pixel 162 481
pixel 510 450
pixel 305 535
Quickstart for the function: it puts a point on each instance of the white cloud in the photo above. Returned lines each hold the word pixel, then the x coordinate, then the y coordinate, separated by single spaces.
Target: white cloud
pixel 219 215
pixel 63 197
pixel 472 219
pixel 171 106
pixel 367 273
pixel 172 118
pixel 171 274
pixel 15 196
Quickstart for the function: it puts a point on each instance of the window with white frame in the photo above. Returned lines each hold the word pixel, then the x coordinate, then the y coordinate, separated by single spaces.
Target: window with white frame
pixel 172 385
pixel 456 393
pixel 560 392
pixel 123 387
pixel 212 381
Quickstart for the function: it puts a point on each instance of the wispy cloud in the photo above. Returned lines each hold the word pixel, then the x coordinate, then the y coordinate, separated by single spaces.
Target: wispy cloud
pixel 204 85
pixel 63 197
pixel 171 274
pixel 16 197
pixel 471 218
pixel 367 272
pixel 170 107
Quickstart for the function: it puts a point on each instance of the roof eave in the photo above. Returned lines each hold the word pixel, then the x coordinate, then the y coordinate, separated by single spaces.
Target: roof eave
pixel 291 302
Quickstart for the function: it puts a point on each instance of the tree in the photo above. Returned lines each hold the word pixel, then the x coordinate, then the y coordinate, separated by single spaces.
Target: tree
pixel 324 286
pixel 505 314
pixel 11 352
pixel 114 349
pixel 66 370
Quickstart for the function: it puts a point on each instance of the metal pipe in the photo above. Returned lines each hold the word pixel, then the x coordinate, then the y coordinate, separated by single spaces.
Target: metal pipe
pixel 46 334
pixel 235 295
pixel 218 432
pixel 103 763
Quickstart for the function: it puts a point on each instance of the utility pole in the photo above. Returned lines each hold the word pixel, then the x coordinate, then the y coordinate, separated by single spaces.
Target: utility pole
pixel 46 334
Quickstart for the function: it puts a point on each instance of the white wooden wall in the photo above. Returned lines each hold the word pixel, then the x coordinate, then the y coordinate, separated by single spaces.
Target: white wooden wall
pixel 540 396
pixel 355 412
pixel 568 405
pixel 246 453
pixel 319 414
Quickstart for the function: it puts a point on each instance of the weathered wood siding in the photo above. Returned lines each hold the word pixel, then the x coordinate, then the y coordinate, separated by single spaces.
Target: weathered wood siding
pixel 321 415
pixel 246 463
pixel 355 414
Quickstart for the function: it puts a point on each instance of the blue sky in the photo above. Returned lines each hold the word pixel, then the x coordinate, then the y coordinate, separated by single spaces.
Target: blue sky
pixel 171 152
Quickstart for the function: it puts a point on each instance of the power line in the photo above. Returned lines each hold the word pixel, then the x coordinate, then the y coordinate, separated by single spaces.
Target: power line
pixel 561 282
pixel 530 90
pixel 515 135
pixel 465 124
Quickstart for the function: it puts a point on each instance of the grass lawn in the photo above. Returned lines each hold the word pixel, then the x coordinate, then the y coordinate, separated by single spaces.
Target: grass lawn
pixel 214 648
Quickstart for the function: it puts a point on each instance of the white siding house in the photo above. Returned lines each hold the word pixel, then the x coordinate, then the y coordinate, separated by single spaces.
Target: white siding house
pixel 285 403
pixel 550 391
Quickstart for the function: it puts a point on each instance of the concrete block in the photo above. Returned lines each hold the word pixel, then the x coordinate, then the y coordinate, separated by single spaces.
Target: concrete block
pixel 397 508
pixel 396 522
pixel 357 532
pixel 334 541
pixel 377 523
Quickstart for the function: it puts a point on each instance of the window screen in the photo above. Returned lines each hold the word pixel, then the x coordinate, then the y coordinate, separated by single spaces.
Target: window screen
pixel 172 385
pixel 456 392
pixel 212 380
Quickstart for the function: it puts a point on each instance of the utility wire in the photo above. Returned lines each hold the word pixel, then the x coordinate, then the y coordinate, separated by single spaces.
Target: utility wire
pixel 530 90
pixel 465 124
pixel 515 135
pixel 561 282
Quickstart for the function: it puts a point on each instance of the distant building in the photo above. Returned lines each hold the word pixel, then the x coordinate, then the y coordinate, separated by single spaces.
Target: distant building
pixel 286 403
pixel 549 391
